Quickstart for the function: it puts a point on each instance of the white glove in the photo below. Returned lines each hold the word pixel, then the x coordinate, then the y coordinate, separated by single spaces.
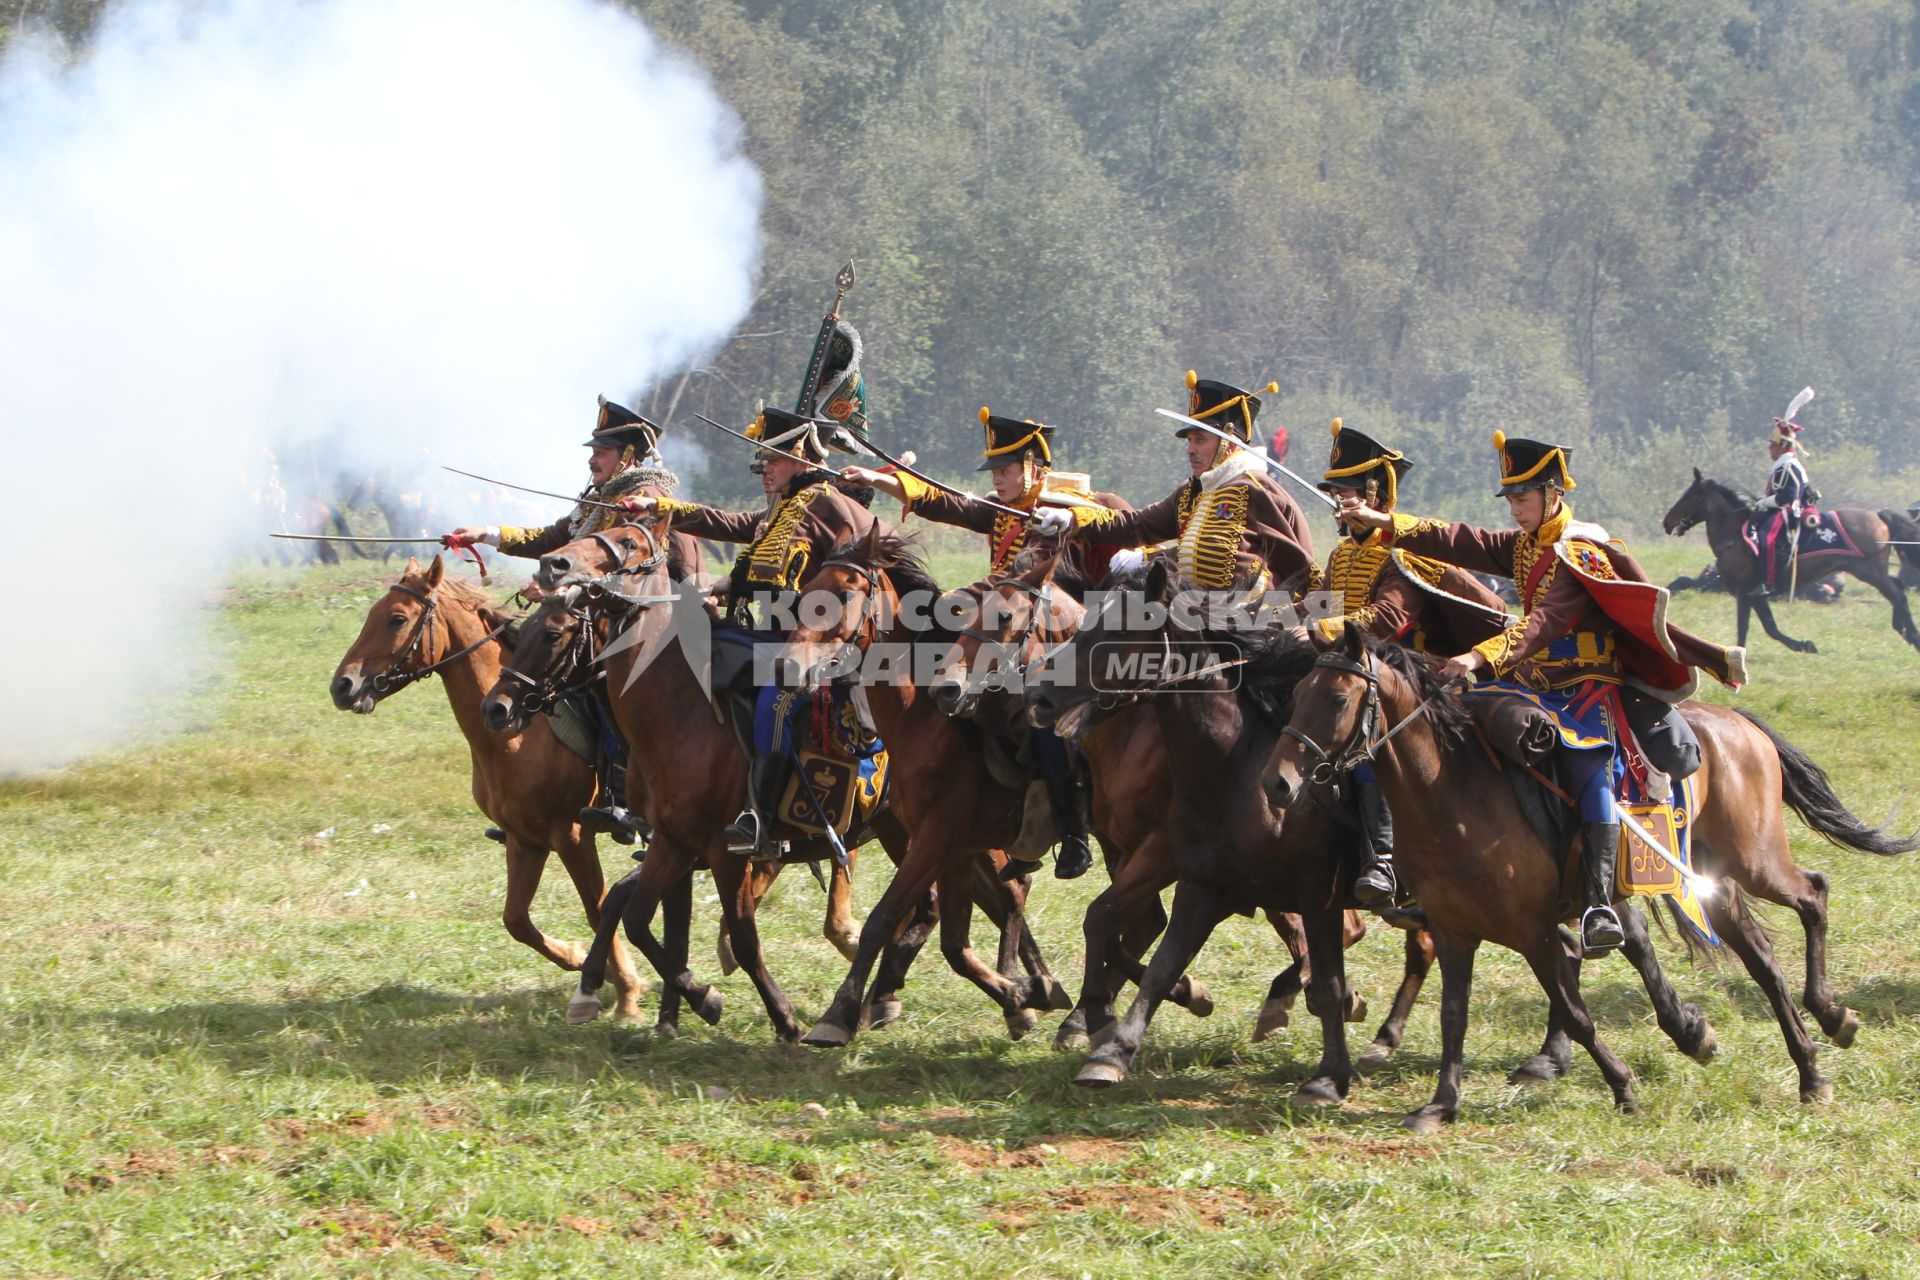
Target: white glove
pixel 1126 560
pixel 1053 522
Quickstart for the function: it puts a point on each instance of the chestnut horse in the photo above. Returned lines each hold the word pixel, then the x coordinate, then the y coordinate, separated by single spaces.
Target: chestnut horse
pixel 1024 613
pixel 1725 510
pixel 1504 884
pixel 528 784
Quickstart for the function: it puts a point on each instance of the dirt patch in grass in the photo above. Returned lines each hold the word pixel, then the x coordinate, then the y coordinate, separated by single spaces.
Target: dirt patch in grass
pixel 1070 1148
pixel 1211 1207
pixel 355 1230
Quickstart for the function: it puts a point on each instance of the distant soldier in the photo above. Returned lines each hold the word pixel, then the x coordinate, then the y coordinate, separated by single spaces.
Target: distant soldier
pixel 1789 497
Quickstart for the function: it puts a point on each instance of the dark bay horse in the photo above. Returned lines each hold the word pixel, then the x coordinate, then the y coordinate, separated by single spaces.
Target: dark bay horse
pixel 1724 510
pixel 1230 851
pixel 528 783
pixel 953 809
pixel 1503 883
pixel 1021 617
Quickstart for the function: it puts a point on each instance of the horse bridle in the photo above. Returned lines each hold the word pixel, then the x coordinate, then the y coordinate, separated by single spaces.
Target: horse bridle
pixel 1361 746
pixel 1017 642
pixel 591 601
pixel 397 677
pixel 863 632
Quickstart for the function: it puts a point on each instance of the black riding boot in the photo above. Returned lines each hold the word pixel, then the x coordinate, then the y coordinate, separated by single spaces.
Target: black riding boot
pixel 611 816
pixel 752 832
pixel 1375 885
pixel 1600 930
pixel 1070 813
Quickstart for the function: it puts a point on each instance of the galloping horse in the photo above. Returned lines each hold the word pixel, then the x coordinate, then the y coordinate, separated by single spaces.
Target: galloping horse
pixel 1725 511
pixel 1023 617
pixel 529 783
pixel 1503 883
pixel 1230 851
pixel 953 810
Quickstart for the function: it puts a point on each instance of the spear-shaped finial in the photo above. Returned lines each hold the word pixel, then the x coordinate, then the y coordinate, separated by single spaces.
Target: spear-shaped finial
pixel 842 285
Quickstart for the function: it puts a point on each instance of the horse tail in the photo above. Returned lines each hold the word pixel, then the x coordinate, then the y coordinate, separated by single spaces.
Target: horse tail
pixel 1804 786
pixel 1905 529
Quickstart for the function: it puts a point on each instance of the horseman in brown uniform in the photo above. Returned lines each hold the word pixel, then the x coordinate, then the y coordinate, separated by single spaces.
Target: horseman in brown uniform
pixel 1019 457
pixel 1230 522
pixel 1593 651
pixel 624 460
pixel 1390 595
pixel 805 519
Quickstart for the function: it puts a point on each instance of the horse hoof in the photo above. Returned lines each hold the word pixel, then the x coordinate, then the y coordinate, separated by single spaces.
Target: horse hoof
pixel 1374 1058
pixel 1537 1070
pixel 881 1013
pixel 1097 1037
pixel 1820 1095
pixel 666 1031
pixel 723 950
pixel 1849 1028
pixel 582 1008
pixel 1356 1007
pixel 1424 1122
pixel 707 1004
pixel 1021 1021
pixel 1273 1017
pixel 1100 1075
pixel 1072 1039
pixel 1316 1095
pixel 1626 1104
pixel 1709 1046
pixel 827 1034
pixel 847 944
pixel 1199 1000
pixel 626 1015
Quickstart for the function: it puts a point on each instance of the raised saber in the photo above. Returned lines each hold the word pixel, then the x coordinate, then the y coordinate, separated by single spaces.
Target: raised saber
pixel 759 444
pixel 1703 887
pixel 898 464
pixel 1282 468
pixel 585 502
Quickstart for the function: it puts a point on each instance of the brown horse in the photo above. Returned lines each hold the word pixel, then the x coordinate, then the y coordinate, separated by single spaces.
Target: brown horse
pixel 1505 884
pixel 954 811
pixel 1725 510
pixel 529 784
pixel 678 778
pixel 1230 851
pixel 1021 616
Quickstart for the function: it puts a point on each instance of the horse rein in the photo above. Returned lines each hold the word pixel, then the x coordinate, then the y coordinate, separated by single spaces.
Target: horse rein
pixel 591 597
pixel 1021 640
pixel 396 678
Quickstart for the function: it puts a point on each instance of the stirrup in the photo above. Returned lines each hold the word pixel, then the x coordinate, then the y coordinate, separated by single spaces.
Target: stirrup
pixel 743 833
pixel 1600 932
pixel 1376 886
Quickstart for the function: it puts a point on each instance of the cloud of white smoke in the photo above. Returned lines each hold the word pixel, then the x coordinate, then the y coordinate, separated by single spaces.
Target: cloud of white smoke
pixel 388 229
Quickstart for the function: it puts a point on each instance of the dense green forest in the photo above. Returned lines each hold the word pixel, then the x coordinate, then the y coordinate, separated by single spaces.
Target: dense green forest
pixel 1637 226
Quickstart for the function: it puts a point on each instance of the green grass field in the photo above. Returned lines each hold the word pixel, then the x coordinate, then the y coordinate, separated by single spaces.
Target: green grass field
pixel 229 1045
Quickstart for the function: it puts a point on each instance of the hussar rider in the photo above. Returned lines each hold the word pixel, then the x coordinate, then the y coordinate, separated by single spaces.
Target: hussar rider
pixel 805 519
pixel 1390 595
pixel 1788 498
pixel 1593 650
pixel 1019 458
pixel 1230 522
pixel 624 460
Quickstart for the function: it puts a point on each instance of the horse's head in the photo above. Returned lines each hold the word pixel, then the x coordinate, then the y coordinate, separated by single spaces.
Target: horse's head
pixel 1014 618
pixel 841 607
pixel 1694 506
pixel 399 636
pixel 585 582
pixel 1117 654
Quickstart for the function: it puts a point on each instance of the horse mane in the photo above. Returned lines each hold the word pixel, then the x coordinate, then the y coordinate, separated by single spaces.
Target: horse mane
pixel 1276 663
pixel 1067 575
pixel 1448 714
pixel 1727 491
